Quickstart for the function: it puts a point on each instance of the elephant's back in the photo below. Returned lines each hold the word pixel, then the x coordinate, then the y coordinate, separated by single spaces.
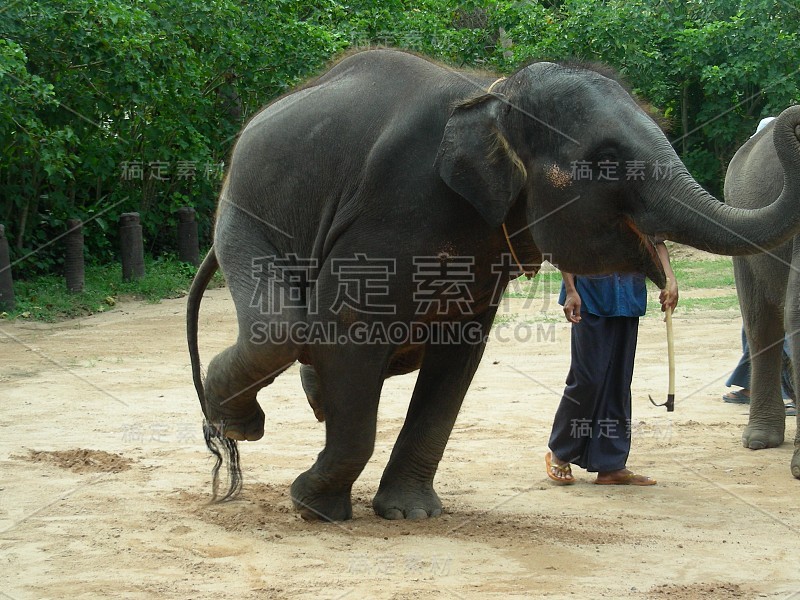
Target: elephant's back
pixel 302 164
pixel 339 117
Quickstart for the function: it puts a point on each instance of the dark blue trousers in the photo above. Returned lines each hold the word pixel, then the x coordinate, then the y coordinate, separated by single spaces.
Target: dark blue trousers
pixel 592 425
pixel 741 374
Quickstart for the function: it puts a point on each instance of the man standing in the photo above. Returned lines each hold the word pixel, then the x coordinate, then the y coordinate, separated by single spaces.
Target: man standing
pixel 591 427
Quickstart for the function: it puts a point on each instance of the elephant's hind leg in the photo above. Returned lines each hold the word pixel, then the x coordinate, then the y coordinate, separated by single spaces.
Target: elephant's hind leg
pixel 350 381
pixel 310 381
pixel 234 378
pixel 262 351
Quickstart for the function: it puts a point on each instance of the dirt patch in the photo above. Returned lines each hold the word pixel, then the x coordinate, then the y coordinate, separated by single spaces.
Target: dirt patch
pixel 691 592
pixel 80 460
pixel 262 506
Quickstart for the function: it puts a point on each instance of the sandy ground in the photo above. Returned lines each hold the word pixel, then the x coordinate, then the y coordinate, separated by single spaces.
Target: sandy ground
pixel 104 478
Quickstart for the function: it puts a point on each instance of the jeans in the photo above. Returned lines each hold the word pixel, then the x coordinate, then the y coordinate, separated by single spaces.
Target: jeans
pixel 741 374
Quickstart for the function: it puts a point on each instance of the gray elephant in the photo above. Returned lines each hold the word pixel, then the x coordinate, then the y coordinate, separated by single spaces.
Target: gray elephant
pixel 768 285
pixel 370 221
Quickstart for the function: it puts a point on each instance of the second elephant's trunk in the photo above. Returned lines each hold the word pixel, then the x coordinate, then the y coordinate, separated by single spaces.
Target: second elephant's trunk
pixel 683 212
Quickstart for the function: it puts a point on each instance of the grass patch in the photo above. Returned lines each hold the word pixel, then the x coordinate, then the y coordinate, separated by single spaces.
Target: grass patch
pixel 46 298
pixel 505 319
pixel 714 274
pixel 730 302
pixel 692 274
pixel 546 283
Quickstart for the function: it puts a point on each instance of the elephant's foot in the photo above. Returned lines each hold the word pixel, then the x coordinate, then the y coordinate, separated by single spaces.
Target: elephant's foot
pixel 310 381
pixel 316 503
pixel 238 423
pixel 405 502
pixel 763 435
pixel 796 462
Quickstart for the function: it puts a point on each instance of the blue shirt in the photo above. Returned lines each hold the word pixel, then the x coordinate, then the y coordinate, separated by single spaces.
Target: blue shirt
pixel 615 295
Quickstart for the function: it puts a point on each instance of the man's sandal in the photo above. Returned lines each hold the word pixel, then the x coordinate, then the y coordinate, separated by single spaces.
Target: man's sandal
pixel 737 397
pixel 561 474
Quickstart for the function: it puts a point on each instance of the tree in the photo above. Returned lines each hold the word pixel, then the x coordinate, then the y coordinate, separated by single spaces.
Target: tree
pixel 109 106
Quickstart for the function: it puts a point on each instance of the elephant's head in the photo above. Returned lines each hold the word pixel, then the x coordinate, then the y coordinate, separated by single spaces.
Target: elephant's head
pixel 598 175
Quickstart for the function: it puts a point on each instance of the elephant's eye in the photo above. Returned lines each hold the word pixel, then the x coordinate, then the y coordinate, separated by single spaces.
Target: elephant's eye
pixel 607 157
pixel 605 153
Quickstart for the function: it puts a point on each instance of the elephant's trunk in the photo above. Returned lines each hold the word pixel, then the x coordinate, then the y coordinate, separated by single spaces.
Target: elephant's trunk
pixel 683 212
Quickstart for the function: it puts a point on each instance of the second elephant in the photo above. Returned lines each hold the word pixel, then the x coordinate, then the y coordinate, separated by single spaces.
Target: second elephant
pixel 768 285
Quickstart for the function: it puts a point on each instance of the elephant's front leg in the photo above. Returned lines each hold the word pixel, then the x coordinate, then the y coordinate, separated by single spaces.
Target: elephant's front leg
pixel 350 380
pixel 763 325
pixel 765 427
pixel 406 489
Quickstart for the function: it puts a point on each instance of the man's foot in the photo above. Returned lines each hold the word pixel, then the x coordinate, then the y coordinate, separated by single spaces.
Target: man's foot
pixel 557 470
pixel 738 397
pixel 790 408
pixel 623 477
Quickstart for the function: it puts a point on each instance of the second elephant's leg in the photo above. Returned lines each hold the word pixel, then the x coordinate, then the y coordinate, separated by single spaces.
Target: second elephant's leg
pixel 792 327
pixel 765 427
pixel 406 488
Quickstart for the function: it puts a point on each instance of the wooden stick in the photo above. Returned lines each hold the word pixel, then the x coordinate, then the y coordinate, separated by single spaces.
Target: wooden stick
pixel 671 354
pixel 670 403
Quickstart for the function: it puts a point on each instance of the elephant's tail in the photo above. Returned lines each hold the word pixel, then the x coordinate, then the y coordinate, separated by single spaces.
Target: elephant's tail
pixel 223 449
pixel 199 285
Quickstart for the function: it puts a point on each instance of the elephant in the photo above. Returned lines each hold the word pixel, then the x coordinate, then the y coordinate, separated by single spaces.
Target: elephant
pixel 370 220
pixel 768 286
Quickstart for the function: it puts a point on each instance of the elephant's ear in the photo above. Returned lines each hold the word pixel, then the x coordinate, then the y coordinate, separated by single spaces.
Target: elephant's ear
pixel 476 161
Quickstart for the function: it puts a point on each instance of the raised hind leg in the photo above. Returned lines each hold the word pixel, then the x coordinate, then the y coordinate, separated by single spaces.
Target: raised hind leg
pixel 263 348
pixel 234 378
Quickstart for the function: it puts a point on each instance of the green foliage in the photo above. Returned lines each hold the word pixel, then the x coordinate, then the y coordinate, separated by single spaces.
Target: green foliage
pixel 109 106
pixel 714 67
pixel 133 107
pixel 45 298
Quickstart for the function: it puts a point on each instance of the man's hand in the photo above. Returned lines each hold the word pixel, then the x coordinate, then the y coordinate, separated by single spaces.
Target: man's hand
pixel 572 307
pixel 572 302
pixel 669 295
